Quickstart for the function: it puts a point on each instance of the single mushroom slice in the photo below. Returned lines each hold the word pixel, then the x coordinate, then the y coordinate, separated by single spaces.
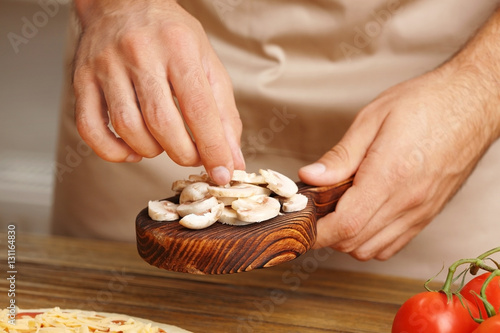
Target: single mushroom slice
pixel 202 220
pixel 295 203
pixel 249 178
pixel 279 183
pixel 202 177
pixel 194 192
pixel 179 185
pixel 162 210
pixel 238 191
pixel 229 216
pixel 197 207
pixel 256 208
pixel 227 201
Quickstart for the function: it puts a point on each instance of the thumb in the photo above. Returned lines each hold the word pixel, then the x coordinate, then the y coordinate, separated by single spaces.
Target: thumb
pixel 342 161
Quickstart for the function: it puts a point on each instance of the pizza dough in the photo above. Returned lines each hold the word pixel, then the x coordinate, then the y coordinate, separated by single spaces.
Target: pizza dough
pixel 79 321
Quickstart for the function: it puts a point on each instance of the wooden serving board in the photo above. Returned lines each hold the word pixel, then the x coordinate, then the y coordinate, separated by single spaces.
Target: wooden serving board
pixel 224 249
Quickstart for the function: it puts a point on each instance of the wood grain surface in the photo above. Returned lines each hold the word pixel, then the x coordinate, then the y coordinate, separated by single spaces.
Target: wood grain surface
pixel 224 249
pixel 293 297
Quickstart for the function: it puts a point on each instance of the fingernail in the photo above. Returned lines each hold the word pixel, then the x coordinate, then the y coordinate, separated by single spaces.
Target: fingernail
pixel 133 158
pixel 220 175
pixel 315 169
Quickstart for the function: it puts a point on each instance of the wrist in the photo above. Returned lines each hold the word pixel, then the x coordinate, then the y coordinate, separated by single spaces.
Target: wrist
pixel 83 8
pixel 476 69
pixel 94 9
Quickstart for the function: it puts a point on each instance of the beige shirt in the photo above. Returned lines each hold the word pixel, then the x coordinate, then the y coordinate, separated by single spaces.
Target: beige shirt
pixel 301 70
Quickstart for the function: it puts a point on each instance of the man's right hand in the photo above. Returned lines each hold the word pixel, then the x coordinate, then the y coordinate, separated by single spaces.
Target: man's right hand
pixel 132 59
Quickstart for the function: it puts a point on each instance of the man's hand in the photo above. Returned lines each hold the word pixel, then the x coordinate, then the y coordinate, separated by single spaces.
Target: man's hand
pixel 133 58
pixel 411 149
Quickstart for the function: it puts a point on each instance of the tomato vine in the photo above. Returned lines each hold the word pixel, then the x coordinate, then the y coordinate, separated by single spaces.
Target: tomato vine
pixel 455 312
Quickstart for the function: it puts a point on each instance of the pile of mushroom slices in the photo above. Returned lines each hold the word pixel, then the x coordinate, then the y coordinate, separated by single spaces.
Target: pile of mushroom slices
pixel 249 198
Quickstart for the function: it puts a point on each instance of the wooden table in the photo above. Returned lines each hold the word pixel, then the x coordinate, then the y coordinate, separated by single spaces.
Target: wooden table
pixel 109 276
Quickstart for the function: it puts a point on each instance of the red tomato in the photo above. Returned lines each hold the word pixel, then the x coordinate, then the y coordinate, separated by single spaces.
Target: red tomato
pixel 490 325
pixel 430 312
pixel 492 292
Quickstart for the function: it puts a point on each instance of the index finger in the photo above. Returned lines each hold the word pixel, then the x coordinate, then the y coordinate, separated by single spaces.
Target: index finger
pixel 199 108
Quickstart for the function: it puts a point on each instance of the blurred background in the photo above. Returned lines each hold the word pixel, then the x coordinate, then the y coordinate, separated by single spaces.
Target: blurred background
pixel 31 70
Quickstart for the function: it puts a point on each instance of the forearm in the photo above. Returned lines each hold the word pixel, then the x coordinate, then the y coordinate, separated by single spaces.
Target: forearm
pixel 478 63
pixel 85 9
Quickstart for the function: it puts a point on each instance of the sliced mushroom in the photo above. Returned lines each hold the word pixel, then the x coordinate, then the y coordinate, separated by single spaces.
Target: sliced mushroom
pixel 227 201
pixel 202 220
pixel 279 183
pixel 294 204
pixel 194 192
pixel 229 216
pixel 179 185
pixel 202 177
pixel 238 191
pixel 249 178
pixel 197 207
pixel 162 210
pixel 241 202
pixel 256 208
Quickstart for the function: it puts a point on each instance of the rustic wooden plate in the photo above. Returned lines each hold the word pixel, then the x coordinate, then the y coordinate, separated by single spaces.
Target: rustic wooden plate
pixel 224 249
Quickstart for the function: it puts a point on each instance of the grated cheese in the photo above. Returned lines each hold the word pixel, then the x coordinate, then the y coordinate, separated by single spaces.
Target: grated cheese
pixel 73 321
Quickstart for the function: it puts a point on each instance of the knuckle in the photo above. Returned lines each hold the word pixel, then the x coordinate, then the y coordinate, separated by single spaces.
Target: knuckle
pixel 184 157
pixel 178 34
pixel 212 150
pixel 384 256
pixel 82 125
pixel 134 46
pixel 153 83
pixel 133 41
pixel 103 61
pixel 81 76
pixel 362 255
pixel 150 150
pixel 156 116
pixel 339 152
pixel 417 197
pixel 198 108
pixel 109 156
pixel 350 228
pixel 235 123
pixel 122 120
pixel 345 246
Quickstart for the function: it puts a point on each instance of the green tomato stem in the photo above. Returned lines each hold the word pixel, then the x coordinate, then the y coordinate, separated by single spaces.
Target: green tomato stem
pixel 490 310
pixel 451 273
pixel 474 269
pixel 475 262
pixel 488 253
pixel 474 265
